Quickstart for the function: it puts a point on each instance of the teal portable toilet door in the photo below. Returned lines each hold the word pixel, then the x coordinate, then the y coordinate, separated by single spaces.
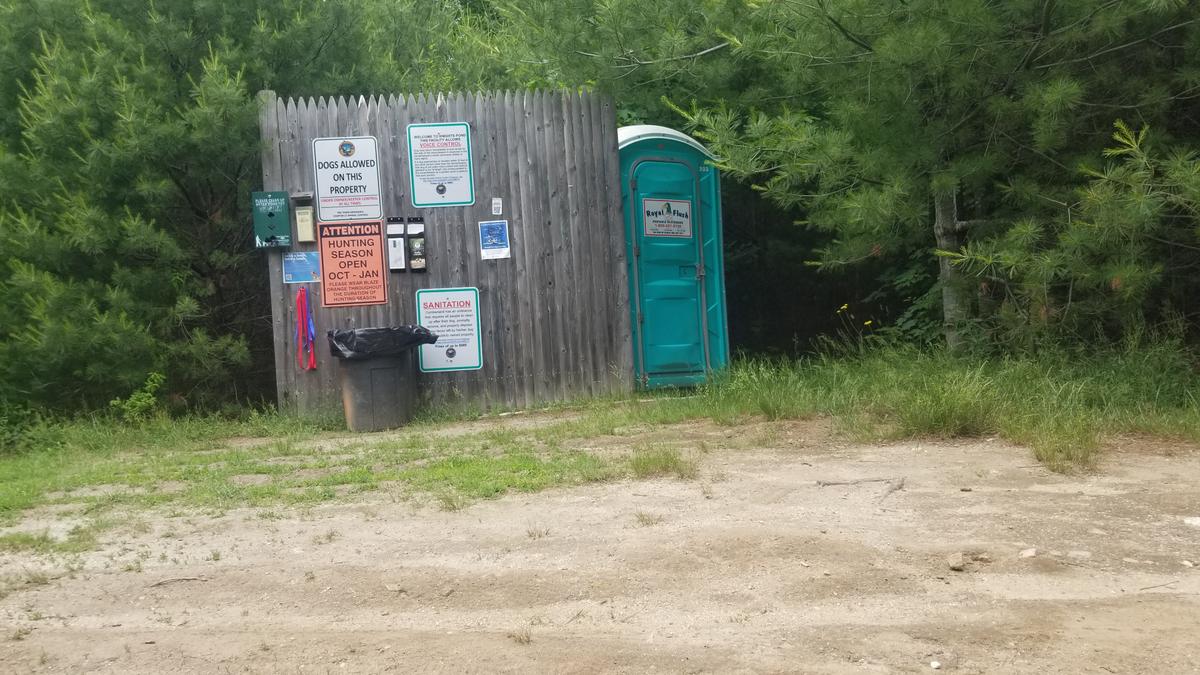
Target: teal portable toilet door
pixel 669 273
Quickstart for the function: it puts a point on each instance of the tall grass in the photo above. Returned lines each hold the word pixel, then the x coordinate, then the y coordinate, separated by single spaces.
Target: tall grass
pixel 1061 405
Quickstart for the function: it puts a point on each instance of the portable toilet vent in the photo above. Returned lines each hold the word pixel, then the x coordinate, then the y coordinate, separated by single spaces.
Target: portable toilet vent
pixel 671 195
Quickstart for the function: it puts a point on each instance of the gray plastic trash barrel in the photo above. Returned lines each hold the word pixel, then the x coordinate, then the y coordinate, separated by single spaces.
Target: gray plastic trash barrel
pixel 378 393
pixel 378 373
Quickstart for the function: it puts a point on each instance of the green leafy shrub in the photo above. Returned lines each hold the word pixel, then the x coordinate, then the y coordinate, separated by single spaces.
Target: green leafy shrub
pixel 142 403
pixel 14 425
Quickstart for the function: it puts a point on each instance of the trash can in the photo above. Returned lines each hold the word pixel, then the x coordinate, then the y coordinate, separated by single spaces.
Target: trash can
pixel 377 371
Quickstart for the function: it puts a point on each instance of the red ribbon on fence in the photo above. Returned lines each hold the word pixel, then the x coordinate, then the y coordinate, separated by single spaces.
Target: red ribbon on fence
pixel 306 331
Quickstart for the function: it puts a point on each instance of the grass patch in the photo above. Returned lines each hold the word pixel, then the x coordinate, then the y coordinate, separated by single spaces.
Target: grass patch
pixel 130 468
pixel 484 476
pixel 80 538
pixel 1063 406
pixel 327 538
pixel 654 462
pixel 68 456
pixel 11 583
pixel 646 519
pixel 25 541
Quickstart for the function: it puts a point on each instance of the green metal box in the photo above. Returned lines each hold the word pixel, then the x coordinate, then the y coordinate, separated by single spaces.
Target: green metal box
pixel 272 219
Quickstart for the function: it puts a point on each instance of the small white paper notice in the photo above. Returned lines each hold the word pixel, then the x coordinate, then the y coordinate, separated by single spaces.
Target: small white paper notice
pixel 497 206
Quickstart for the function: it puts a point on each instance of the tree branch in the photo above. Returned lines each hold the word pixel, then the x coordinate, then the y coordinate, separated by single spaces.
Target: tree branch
pixel 337 26
pixel 964 225
pixel 1117 48
pixel 842 29
pixel 1047 11
pixel 634 62
pixel 1086 18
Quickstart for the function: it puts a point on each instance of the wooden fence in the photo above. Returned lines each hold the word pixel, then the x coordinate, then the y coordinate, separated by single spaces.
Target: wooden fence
pixel 554 317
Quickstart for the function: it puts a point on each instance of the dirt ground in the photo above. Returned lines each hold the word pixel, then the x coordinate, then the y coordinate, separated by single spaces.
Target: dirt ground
pixel 757 566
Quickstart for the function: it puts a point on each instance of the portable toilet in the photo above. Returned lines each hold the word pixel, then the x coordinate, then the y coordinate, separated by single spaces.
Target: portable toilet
pixel 671 196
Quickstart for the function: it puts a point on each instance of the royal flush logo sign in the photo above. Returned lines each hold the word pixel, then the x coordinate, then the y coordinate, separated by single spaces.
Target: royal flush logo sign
pixel 667 218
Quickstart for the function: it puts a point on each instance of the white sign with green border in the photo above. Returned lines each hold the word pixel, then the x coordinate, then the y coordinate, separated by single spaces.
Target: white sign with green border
pixel 453 315
pixel 439 164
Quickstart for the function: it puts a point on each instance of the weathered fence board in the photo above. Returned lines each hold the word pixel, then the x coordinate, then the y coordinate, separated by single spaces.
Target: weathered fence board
pixel 554 318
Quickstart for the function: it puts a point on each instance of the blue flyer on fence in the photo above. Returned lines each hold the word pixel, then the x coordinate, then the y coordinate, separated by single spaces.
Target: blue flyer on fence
pixel 302 268
pixel 493 239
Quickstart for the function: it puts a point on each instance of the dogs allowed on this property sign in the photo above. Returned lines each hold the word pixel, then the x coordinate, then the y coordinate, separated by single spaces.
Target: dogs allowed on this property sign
pixel 346 171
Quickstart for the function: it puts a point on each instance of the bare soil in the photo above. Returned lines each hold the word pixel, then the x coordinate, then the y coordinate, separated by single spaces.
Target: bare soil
pixel 755 567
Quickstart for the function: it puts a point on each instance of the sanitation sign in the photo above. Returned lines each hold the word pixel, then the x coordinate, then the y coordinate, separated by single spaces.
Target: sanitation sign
pixel 352 264
pixel 453 315
pixel 439 164
pixel 347 177
pixel 667 217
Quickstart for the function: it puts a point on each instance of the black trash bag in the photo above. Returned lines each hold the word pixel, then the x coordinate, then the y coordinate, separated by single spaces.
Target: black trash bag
pixel 357 344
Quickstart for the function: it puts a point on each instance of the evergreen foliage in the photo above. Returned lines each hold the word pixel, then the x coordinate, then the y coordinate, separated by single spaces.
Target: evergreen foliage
pixel 870 120
pixel 1119 260
pixel 946 158
pixel 129 148
pixel 909 127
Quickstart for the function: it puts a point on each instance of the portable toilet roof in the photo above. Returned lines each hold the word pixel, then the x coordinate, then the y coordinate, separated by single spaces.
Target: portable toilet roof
pixel 641 132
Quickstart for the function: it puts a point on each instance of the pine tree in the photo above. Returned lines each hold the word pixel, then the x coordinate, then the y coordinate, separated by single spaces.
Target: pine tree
pixel 922 125
pixel 1124 250
pixel 128 149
